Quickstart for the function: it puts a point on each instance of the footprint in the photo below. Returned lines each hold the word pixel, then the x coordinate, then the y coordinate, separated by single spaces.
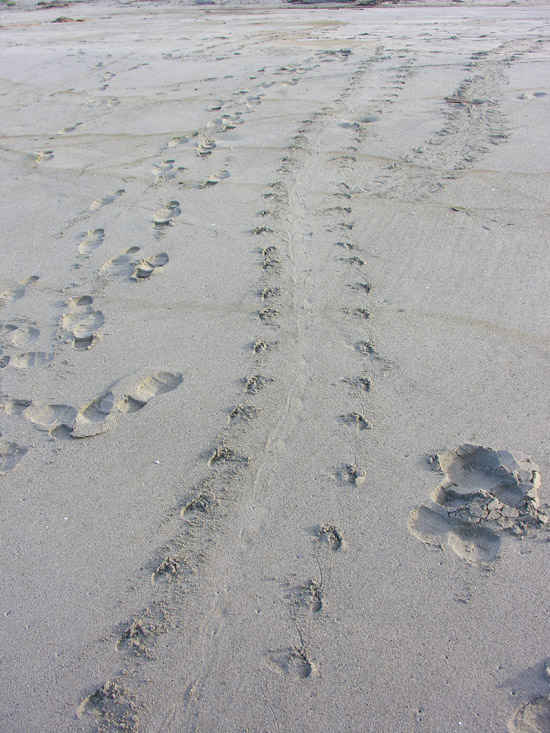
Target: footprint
pixel 205 147
pixel 309 595
pixel 13 406
pixel 472 543
pixel 150 387
pixel 18 336
pixel 214 179
pixel 70 128
pixel 50 417
pixel 144 269
pixel 165 216
pixel 292 662
pixel 356 418
pixel 255 382
pixel 483 493
pixel 112 706
pixel 10 455
pixel 17 291
pixel 92 240
pixel 332 536
pixel 43 155
pixel 532 95
pixel 122 264
pixel 531 717
pixel 161 169
pixel 82 321
pixel 90 419
pixel 99 203
pixel 31 359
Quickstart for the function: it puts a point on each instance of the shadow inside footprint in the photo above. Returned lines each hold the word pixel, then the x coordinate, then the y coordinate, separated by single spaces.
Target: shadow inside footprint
pixel 82 321
pixel 150 387
pixel 472 543
pixel 531 717
pixel 10 455
pixel 144 269
pixel 165 216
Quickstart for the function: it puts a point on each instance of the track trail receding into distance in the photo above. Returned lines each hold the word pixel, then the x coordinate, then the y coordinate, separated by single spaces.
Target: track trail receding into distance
pixel 283 567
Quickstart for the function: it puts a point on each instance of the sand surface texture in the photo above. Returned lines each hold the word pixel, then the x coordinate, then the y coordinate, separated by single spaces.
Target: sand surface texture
pixel 274 389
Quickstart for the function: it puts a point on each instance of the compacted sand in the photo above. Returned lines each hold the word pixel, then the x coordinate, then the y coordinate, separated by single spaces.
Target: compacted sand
pixel 274 387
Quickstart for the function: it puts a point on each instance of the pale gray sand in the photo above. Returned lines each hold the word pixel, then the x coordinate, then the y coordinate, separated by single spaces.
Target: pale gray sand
pixel 259 266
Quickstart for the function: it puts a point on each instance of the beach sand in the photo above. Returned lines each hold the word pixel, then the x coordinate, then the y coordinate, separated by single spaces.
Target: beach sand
pixel 274 386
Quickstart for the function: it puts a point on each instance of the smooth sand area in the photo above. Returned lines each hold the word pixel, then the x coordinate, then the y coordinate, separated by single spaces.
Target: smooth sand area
pixel 274 395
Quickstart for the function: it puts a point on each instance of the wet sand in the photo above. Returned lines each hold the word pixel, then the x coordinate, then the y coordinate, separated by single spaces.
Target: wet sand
pixel 274 387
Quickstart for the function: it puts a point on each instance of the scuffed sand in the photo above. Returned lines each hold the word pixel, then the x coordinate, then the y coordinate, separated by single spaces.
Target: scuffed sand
pixel 274 387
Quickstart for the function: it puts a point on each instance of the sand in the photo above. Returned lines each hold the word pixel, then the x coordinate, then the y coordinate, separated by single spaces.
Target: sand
pixel 274 388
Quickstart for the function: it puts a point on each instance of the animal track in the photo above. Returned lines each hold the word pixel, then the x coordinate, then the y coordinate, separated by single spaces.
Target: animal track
pixel 17 291
pixel 82 321
pixel 91 241
pixel 165 216
pixel 271 261
pixel 359 384
pixel 150 387
pixel 10 455
pixel 90 419
pixel 112 706
pixel 135 635
pixel 292 662
pixel 223 453
pixel 357 419
pixel 332 536
pixel 309 595
pixel 245 413
pixel 144 269
pixel 354 475
pixel 99 203
pixel 204 502
pixel 483 494
pixel 256 382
